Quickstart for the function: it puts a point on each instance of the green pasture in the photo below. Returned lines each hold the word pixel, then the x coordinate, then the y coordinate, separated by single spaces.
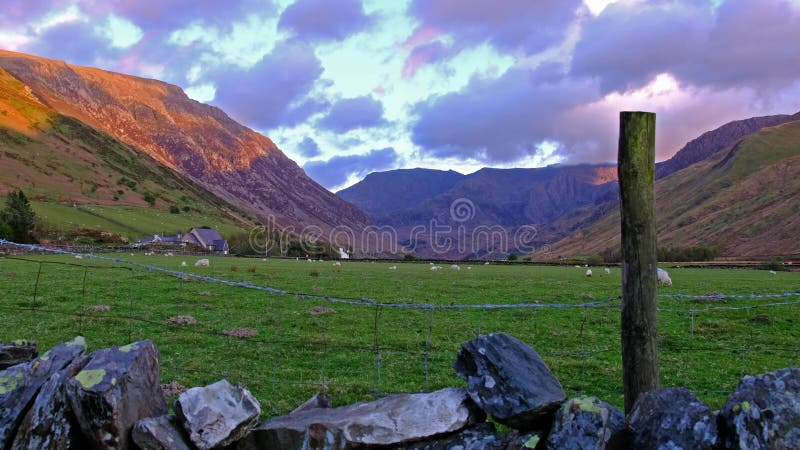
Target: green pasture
pixel 357 352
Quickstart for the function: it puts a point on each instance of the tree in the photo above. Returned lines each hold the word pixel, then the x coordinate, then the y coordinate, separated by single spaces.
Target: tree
pixel 17 219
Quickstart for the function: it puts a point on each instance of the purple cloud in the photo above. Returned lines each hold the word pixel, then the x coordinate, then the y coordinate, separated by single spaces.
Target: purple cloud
pixel 308 147
pixel 498 120
pixel 23 11
pixel 272 93
pixel 421 55
pixel 335 171
pixel 316 20
pixel 352 113
pixel 73 42
pixel 743 43
pixel 508 25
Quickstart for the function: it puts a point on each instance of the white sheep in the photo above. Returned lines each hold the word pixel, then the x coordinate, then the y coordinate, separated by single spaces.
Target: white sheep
pixel 78 257
pixel 663 277
pixel 469 267
pixel 202 263
pixel 588 272
pixel 486 263
pixel 455 267
pixel 577 266
pixel 392 267
pixel 436 267
pixel 607 271
pixel 772 272
pixel 183 263
pixel 337 264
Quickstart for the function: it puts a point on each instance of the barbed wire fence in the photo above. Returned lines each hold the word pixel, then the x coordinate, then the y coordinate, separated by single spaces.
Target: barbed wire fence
pixel 285 347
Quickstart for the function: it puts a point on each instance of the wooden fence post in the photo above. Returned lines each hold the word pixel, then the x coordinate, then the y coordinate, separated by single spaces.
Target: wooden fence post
pixel 636 169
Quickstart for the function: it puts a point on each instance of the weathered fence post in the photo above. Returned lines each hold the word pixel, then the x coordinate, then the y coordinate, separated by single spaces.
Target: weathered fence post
pixel 636 168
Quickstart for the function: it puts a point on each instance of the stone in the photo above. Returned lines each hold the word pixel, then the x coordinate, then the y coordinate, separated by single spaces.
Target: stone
pixel 389 421
pixel 117 387
pixel 482 436
pixel 17 352
pixel 320 400
pixel 50 422
pixel 672 418
pixel 588 423
pixel 763 412
pixel 160 433
pixel 508 380
pixel 218 414
pixel 20 384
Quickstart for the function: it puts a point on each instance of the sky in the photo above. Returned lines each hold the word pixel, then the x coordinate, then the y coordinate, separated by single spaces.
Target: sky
pixel 349 87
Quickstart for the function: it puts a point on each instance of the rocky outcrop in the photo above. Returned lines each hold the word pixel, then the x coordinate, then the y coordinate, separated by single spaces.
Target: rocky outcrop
pixel 508 380
pixel 160 433
pixel 199 141
pixel 217 415
pixel 763 412
pixel 117 387
pixel 672 418
pixel 20 384
pixel 16 352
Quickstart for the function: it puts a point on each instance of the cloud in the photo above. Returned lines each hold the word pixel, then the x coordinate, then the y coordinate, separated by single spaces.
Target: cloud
pixel 273 92
pixel 308 148
pixel 20 12
pixel 742 43
pixel 352 113
pixel 74 42
pixel 421 55
pixel 337 170
pixel 498 120
pixel 318 20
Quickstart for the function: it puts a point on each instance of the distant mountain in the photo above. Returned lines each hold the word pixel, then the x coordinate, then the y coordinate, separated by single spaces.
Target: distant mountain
pixel 555 202
pixel 383 192
pixel 742 200
pixel 464 209
pixel 197 141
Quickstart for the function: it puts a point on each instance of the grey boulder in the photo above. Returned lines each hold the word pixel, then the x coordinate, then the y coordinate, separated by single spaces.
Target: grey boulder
pixel 50 422
pixel 160 433
pixel 20 384
pixel 389 421
pixel 763 412
pixel 672 418
pixel 17 352
pixel 117 387
pixel 508 380
pixel 588 423
pixel 218 414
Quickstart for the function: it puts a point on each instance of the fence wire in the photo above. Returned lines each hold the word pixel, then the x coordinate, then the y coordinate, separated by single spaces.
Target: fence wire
pixel 409 347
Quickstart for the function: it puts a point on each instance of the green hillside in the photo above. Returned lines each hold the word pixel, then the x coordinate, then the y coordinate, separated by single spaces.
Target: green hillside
pixel 59 162
pixel 742 201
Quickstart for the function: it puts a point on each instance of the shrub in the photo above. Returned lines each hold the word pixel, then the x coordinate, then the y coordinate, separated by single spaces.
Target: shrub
pixel 150 198
pixel 409 257
pixel 512 257
pixel 775 263
pixel 17 219
pixel 174 210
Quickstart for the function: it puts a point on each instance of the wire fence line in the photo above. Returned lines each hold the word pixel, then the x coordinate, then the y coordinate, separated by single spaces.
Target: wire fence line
pixel 400 347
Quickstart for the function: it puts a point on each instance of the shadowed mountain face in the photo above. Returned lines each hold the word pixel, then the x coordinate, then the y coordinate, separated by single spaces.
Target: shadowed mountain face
pixel 196 140
pixel 446 214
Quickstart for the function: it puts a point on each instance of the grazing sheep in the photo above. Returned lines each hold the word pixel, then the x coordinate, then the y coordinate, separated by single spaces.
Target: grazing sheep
pixel 202 263
pixel 772 272
pixel 183 263
pixel 436 267
pixel 577 266
pixel 469 267
pixel 588 272
pixel 392 267
pixel 607 271
pixel 663 277
pixel 486 263
pixel 337 264
pixel 78 257
pixel 455 267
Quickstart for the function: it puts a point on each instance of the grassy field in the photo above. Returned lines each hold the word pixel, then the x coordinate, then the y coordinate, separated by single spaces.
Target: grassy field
pixel 355 352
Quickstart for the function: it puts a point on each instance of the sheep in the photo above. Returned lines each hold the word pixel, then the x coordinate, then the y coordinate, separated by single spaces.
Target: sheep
pixel 337 264
pixel 607 271
pixel 577 266
pixel 392 267
pixel 78 257
pixel 436 267
pixel 588 272
pixel 772 272
pixel 202 263
pixel 455 267
pixel 469 267
pixel 486 263
pixel 663 277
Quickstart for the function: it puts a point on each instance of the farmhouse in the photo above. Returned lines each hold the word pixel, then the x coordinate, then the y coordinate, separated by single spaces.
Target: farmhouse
pixel 207 239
